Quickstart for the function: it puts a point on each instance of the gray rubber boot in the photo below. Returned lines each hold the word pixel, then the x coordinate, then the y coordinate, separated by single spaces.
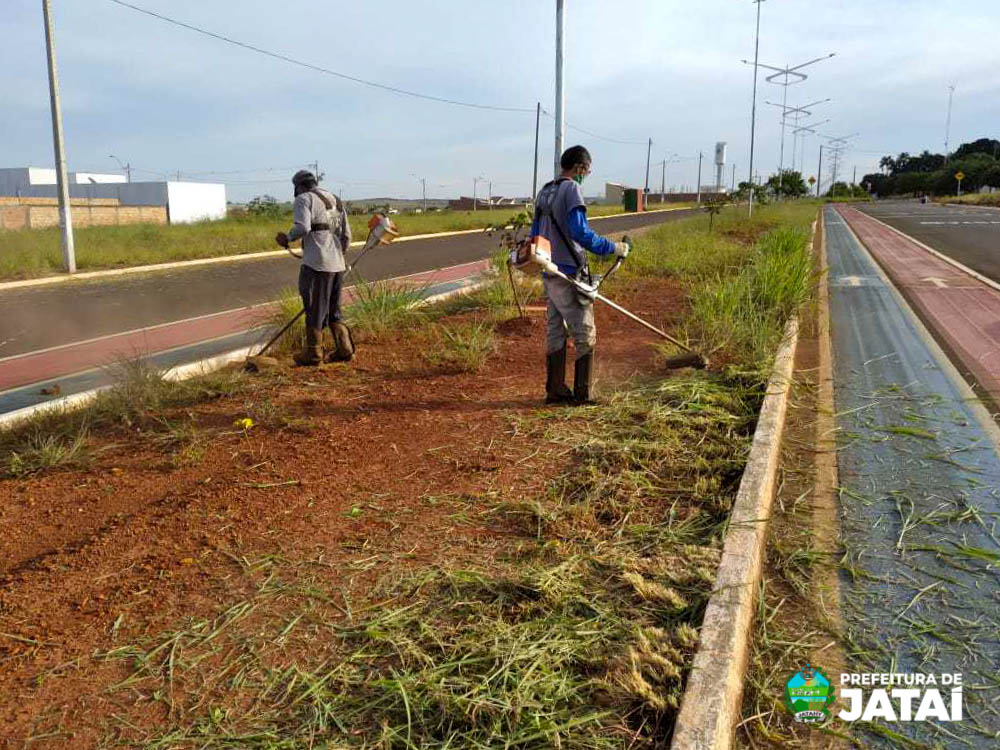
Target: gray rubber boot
pixel 582 374
pixel 343 343
pixel 312 352
pixel 556 391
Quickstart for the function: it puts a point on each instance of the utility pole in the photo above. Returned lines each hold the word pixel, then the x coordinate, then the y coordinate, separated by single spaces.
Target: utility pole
pixel 733 188
pixel 126 167
pixel 663 182
pixel 645 190
pixel 65 214
pixel 947 126
pixel 854 180
pixel 560 81
pixel 753 106
pixel 699 178
pixel 489 197
pixel 819 170
pixel 534 178
pixel 423 193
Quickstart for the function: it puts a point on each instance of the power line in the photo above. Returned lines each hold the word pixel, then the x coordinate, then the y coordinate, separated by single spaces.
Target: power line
pixel 317 68
pixel 597 135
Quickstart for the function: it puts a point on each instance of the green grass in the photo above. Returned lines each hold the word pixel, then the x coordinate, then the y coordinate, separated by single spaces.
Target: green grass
pixel 974 199
pixel 136 400
pixel 31 253
pixel 462 347
pixel 576 636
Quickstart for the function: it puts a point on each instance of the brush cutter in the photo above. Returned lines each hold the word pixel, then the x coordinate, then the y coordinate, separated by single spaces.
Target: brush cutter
pixel 381 231
pixel 537 255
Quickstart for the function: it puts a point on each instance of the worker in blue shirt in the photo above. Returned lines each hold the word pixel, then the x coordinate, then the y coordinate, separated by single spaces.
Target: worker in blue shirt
pixel 561 217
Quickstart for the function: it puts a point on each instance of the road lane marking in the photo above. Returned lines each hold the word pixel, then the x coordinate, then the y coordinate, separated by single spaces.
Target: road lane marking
pixel 939 283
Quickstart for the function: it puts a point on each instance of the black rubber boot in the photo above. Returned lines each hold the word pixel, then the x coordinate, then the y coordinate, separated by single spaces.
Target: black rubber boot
pixel 582 374
pixel 312 352
pixel 556 391
pixel 343 343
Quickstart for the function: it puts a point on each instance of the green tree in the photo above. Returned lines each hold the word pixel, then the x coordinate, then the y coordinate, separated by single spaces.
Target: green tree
pixel 264 205
pixel 787 184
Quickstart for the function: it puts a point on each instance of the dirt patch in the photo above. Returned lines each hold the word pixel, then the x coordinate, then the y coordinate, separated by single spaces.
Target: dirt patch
pixel 368 469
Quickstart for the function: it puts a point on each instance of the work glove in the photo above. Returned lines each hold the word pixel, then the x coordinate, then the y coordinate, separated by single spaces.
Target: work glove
pixel 622 249
pixel 282 239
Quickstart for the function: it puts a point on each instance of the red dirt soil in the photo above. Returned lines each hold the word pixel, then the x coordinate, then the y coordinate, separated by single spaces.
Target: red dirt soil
pixel 138 537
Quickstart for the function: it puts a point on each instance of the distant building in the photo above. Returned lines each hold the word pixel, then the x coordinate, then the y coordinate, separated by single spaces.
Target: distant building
pixel 27 195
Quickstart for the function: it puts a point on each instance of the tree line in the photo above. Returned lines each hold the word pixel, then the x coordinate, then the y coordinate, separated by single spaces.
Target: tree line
pixel 927 173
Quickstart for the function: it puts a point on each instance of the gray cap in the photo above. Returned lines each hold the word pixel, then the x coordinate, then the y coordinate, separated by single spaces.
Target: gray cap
pixel 303 176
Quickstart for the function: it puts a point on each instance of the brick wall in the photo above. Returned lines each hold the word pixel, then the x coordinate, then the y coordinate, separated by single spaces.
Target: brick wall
pixel 40 213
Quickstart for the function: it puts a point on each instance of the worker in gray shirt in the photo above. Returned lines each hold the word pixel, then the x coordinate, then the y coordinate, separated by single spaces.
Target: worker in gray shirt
pixel 321 223
pixel 561 217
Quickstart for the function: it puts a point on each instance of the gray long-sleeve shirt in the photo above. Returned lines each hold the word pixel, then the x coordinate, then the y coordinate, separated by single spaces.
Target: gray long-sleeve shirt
pixel 322 250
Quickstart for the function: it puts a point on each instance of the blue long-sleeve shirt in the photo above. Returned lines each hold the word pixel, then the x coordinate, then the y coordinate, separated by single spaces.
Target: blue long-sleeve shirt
pixel 580 232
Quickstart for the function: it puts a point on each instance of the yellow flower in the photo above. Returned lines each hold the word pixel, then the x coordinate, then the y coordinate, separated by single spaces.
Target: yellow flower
pixel 244 424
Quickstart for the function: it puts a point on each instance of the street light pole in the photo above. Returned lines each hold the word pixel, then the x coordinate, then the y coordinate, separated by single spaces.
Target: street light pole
pixel 62 179
pixel 784 73
pixel 560 81
pixel 819 170
pixel 645 190
pixel 947 126
pixel 733 188
pixel 699 178
pixel 753 106
pixel 534 178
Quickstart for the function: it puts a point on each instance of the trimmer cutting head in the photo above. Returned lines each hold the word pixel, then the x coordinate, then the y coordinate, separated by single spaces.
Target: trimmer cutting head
pixel 690 359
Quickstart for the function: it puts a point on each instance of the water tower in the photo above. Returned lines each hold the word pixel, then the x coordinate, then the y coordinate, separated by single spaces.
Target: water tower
pixel 720 163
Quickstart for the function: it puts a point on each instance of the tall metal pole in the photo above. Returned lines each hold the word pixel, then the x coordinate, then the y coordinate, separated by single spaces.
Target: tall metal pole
pixel 663 181
pixel 733 188
pixel 534 178
pixel 753 106
pixel 947 126
pixel 699 178
pixel 649 150
pixel 475 181
pixel 560 81
pixel 489 196
pixel 62 179
pixel 423 190
pixel 819 170
pixel 781 151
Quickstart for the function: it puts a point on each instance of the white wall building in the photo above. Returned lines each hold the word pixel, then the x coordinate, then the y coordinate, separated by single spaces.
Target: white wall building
pixel 185 201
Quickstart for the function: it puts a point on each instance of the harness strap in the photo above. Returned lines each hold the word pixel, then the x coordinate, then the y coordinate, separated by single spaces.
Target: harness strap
pixel 546 210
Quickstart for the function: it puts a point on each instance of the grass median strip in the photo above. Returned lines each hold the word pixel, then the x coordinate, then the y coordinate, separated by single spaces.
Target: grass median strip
pixel 36 252
pixel 560 610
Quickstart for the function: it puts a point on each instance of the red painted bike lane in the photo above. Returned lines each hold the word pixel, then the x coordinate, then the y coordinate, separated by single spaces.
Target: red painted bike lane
pixel 36 367
pixel 962 311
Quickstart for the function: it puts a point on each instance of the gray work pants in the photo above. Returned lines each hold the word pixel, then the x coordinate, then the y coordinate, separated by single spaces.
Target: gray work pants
pixel 320 292
pixel 564 303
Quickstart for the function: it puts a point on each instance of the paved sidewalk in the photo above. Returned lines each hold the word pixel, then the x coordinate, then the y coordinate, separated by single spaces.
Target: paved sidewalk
pixel 919 475
pixel 963 312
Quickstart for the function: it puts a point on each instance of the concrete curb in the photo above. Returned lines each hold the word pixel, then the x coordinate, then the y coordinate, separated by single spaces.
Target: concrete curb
pixel 712 699
pixel 180 372
pixel 154 267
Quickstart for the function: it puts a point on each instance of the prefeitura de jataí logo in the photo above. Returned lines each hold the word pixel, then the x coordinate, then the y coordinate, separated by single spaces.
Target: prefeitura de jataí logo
pixel 896 696
pixel 809 695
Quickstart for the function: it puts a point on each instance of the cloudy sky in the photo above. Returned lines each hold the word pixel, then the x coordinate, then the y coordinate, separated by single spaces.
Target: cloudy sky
pixel 167 99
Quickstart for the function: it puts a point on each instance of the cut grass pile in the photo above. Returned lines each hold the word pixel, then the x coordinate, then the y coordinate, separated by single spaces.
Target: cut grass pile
pixel 576 636
pixel 36 252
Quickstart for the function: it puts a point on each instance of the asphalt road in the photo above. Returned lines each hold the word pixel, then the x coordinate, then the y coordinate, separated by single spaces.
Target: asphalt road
pixel 969 235
pixel 41 317
pixel 918 473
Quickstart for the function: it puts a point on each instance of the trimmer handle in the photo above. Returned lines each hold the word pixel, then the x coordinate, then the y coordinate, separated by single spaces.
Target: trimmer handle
pixel 611 271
